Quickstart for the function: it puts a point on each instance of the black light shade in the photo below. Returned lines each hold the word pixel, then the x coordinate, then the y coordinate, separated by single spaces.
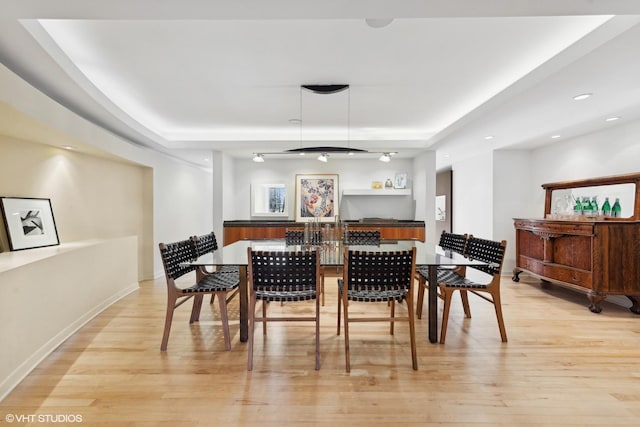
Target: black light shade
pixel 326 150
pixel 325 89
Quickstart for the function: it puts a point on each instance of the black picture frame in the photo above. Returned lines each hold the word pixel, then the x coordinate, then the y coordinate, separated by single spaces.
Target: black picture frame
pixel 29 222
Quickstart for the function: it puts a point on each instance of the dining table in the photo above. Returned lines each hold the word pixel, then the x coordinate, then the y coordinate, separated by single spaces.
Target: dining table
pixel 428 255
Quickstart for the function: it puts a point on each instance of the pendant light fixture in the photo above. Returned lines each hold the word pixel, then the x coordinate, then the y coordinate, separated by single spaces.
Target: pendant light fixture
pixel 324 90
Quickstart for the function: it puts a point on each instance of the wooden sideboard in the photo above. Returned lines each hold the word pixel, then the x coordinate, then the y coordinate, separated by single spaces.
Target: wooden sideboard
pixel 395 230
pixel 597 255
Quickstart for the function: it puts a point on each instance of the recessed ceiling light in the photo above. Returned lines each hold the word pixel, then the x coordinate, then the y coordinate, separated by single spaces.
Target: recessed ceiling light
pixel 323 157
pixel 488 137
pixel 257 157
pixel 295 121
pixel 378 22
pixel 555 136
pixel 68 147
pixel 611 119
pixel 582 96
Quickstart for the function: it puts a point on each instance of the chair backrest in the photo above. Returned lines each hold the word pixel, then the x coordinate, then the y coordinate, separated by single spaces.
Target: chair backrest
pixel 454 242
pixel 205 243
pixel 366 271
pixel 488 251
pixel 174 255
pixel 287 272
pixel 294 237
pixel 362 237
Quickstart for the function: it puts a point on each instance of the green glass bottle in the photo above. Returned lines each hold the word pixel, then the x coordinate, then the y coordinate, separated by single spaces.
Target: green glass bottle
pixel 616 210
pixel 577 207
pixel 594 206
pixel 606 207
pixel 586 207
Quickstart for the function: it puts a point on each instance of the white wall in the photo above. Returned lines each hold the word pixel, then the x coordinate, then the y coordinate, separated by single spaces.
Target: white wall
pixel 610 152
pixel 473 196
pixel 91 197
pixel 511 178
pixel 424 192
pixel 182 203
pixel 352 173
pixel 181 194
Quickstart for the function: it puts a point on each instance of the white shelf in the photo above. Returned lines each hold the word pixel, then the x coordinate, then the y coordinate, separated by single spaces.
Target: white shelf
pixel 376 192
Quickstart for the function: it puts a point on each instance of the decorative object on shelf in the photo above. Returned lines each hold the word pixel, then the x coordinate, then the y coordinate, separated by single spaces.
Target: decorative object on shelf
pixel 29 222
pixel 268 200
pixel 316 197
pixel 388 183
pixel 400 180
pixel 376 185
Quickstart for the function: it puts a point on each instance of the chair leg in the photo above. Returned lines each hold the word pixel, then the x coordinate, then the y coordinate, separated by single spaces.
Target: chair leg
pixel 412 331
pixel 498 306
pixel 197 306
pixel 393 314
pixel 213 297
pixel 339 310
pixel 345 308
pixel 464 295
pixel 264 317
pixel 222 303
pixel 322 285
pixel 171 304
pixel 421 287
pixel 447 293
pixel 252 323
pixel 318 333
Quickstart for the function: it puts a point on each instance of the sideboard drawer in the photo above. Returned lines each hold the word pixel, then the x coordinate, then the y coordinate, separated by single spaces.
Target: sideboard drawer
pixel 531 265
pixel 568 275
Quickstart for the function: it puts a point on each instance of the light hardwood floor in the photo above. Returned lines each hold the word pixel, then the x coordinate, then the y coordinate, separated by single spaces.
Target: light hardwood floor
pixel 562 366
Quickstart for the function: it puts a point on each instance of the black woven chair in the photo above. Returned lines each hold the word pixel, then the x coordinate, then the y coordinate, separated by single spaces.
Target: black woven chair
pixel 207 243
pixel 455 243
pixel 294 237
pixel 377 277
pixel 487 251
pixel 362 237
pixel 175 258
pixel 282 276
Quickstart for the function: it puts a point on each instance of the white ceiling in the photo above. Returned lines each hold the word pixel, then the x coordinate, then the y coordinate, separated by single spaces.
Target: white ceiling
pixel 188 77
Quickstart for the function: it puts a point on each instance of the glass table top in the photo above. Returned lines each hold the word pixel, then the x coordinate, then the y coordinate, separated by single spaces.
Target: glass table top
pixel 332 252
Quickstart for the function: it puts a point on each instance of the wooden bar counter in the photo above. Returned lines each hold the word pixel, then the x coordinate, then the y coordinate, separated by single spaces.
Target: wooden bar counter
pixel 389 230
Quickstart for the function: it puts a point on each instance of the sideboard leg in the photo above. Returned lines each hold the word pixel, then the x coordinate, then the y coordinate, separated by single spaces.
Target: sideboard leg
pixel 595 298
pixel 516 275
pixel 635 307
